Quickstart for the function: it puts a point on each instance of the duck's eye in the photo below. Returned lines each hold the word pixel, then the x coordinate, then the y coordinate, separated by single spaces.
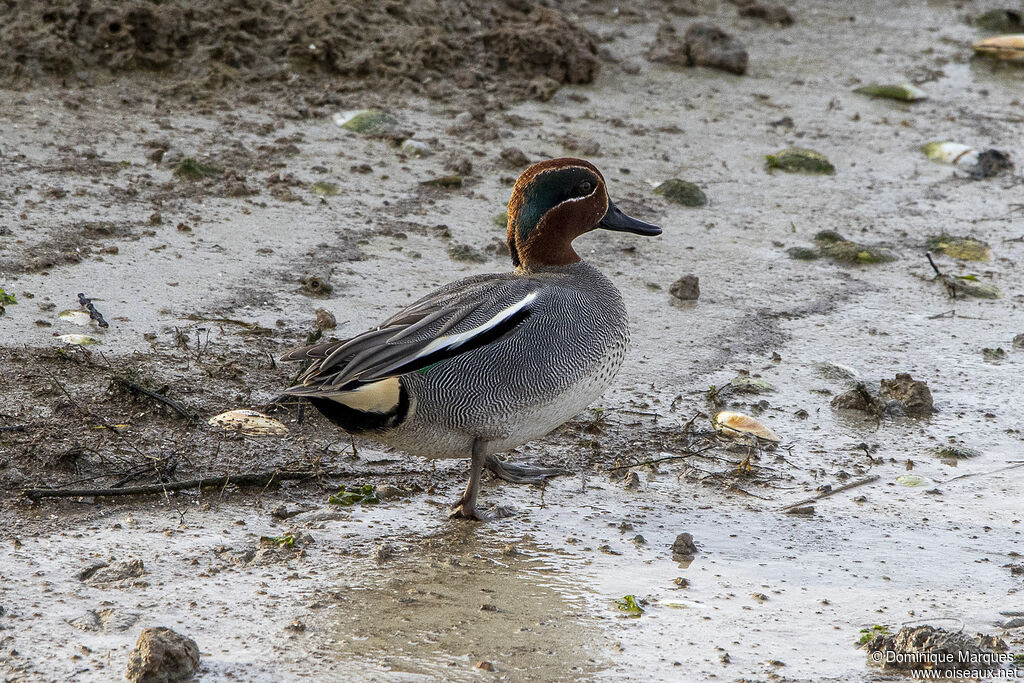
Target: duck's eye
pixel 584 188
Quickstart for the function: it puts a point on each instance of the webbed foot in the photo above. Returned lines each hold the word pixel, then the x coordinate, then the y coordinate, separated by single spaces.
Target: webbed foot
pixel 519 474
pixel 462 511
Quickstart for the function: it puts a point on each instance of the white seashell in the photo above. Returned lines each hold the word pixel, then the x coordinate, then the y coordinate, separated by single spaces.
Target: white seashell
pixel 76 316
pixel 738 424
pixel 248 422
pixel 77 339
pixel 1010 48
pixel 951 153
pixel 902 91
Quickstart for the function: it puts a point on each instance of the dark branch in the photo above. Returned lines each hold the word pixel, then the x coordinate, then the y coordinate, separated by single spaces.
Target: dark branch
pixel 243 479
pixel 139 389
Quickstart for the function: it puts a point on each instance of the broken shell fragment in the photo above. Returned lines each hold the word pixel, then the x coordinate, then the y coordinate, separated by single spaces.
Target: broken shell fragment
pixel 903 91
pixel 77 339
pixel 1009 48
pixel 737 424
pixel 416 148
pixel 951 153
pixel 75 316
pixel 248 422
pixel 912 480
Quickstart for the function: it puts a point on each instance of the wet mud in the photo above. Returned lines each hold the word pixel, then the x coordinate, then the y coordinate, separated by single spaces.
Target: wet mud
pixel 215 232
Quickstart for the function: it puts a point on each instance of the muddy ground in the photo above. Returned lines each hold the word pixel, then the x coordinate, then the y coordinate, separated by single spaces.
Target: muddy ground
pixel 204 282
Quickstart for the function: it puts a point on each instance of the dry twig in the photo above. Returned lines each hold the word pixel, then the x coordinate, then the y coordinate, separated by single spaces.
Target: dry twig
pixel 832 492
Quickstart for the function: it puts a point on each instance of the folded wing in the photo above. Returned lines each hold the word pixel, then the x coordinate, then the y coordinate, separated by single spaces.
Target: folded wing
pixel 452 321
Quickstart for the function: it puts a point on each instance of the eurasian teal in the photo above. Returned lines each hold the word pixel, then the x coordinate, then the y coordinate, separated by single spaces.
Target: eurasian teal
pixel 490 362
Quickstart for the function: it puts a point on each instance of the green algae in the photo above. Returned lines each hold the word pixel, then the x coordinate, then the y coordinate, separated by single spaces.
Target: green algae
pixel 682 192
pixel 190 169
pixel 963 248
pixel 800 160
pixel 833 245
pixel 903 92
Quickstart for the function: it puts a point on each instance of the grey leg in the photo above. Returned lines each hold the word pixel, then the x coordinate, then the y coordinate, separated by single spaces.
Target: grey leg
pixel 519 474
pixel 465 507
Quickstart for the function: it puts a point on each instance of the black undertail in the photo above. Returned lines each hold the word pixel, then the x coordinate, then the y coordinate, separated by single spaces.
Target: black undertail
pixel 360 421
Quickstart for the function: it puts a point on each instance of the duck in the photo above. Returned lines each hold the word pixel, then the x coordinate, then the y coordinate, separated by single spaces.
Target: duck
pixel 489 362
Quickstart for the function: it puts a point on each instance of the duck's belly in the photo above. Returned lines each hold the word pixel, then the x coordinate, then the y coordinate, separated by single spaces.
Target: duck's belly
pixel 503 415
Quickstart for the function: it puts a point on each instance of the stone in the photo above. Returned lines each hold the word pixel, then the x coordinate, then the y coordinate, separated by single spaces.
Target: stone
pixel 915 395
pixel 684 545
pixel 161 656
pixel 935 649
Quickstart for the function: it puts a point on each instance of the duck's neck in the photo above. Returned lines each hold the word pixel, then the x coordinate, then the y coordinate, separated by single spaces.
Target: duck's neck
pixel 542 251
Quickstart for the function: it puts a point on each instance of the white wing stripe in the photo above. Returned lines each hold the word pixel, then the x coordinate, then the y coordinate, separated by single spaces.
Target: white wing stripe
pixel 453 341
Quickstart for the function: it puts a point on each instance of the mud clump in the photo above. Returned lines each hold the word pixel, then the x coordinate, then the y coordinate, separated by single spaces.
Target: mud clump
pixel 686 288
pixel 703 45
pixel 935 649
pixel 544 44
pixel 900 396
pixel 514 158
pixel 161 655
pixel 412 45
pixel 118 574
pixel 710 46
pixel 1000 21
pixel 773 14
pixel 991 163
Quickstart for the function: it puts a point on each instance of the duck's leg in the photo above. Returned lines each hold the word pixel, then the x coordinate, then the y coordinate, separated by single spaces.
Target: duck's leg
pixel 519 474
pixel 465 507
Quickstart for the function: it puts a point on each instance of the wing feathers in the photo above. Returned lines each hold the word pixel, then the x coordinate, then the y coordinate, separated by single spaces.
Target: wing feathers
pixel 451 322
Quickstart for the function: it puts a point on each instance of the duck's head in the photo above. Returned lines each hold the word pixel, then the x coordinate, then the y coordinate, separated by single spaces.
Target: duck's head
pixel 553 203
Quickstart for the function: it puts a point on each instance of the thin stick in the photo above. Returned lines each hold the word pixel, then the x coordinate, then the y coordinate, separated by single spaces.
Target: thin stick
pixel 981 474
pixel 139 389
pixel 948 314
pixel 934 267
pixel 14 428
pixel 664 459
pixel 243 479
pixel 826 494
